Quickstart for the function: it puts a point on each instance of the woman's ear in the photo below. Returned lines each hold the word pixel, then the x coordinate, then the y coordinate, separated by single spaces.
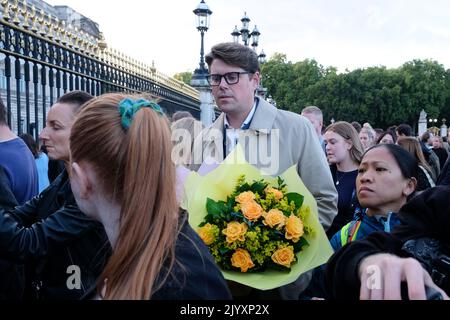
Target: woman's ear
pixel 349 144
pixel 410 187
pixel 81 179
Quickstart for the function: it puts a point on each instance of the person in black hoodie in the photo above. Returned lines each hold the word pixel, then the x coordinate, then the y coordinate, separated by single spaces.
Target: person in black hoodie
pixel 63 250
pixel 409 263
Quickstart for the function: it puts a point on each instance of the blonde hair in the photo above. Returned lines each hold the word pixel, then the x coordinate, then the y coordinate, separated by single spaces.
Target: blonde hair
pixel 135 169
pixel 412 145
pixel 348 132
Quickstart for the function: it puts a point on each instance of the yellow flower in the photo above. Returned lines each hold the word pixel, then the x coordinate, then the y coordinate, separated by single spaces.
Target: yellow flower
pixel 284 256
pixel 274 218
pixel 251 210
pixel 245 197
pixel 305 211
pixel 294 228
pixel 241 259
pixel 235 231
pixel 206 233
pixel 277 193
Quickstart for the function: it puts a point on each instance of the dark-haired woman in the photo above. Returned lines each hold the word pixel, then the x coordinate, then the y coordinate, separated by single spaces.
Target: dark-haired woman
pixel 387 176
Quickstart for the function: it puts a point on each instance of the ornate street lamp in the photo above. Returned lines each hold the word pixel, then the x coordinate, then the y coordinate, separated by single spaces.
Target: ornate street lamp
pixel 198 80
pixel 255 36
pixel 203 13
pixel 245 31
pixel 246 36
pixel 262 57
pixel 235 34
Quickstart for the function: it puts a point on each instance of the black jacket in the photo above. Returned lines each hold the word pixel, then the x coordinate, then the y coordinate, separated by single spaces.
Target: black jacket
pixel 426 215
pixel 12 275
pixel 50 234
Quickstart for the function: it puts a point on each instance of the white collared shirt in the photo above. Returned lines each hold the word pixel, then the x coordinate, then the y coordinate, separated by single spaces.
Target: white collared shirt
pixel 232 133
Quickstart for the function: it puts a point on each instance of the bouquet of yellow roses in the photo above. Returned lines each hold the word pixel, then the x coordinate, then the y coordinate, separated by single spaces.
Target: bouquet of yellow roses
pixel 257 227
pixel 263 232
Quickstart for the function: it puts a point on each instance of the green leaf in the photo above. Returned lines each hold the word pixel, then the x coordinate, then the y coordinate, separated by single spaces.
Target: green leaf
pixel 300 244
pixel 296 197
pixel 258 186
pixel 280 183
pixel 224 250
pixel 243 188
pixel 215 208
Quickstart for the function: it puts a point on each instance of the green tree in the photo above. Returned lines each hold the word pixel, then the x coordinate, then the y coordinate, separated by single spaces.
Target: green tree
pixel 184 76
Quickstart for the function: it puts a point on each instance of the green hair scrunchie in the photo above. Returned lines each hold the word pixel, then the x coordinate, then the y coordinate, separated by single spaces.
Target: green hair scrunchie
pixel 128 108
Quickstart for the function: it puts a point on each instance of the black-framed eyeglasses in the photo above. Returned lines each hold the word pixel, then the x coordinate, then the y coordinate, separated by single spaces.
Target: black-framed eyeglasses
pixel 230 78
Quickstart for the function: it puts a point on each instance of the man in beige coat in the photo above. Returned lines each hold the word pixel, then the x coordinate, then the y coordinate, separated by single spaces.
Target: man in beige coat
pixel 273 140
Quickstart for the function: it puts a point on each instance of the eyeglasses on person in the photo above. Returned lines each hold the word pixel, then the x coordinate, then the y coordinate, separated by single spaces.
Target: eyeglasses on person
pixel 230 78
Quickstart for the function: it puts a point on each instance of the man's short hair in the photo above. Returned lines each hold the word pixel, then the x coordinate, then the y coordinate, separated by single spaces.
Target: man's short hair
pixel 77 98
pixel 425 136
pixel 313 110
pixel 234 54
pixel 2 112
pixel 404 129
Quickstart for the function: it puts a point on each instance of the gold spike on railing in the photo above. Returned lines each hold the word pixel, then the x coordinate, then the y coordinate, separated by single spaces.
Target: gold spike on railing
pixel 33 18
pixel 15 9
pixel 41 19
pixel 25 14
pixel 6 7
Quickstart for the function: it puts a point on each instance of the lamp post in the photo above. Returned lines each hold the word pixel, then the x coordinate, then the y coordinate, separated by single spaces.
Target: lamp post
pixel 250 38
pixel 199 81
pixel 202 12
pixel 245 33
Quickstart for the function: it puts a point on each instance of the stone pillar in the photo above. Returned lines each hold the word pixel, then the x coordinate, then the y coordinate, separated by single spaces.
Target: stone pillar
pixel 422 123
pixel 443 129
pixel 207 115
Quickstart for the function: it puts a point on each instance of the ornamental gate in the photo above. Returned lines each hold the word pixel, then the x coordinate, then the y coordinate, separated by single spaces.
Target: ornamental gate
pixel 41 59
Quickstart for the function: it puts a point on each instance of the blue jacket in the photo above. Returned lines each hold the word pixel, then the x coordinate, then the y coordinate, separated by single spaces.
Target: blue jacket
pixel 361 226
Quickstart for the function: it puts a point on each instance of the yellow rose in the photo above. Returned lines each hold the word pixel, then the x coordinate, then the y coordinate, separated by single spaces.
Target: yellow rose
pixel 294 228
pixel 284 256
pixel 206 233
pixel 251 210
pixel 274 218
pixel 245 197
pixel 235 231
pixel 277 193
pixel 241 259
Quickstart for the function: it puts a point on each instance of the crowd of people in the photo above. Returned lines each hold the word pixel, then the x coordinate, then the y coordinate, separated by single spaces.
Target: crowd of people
pixel 112 210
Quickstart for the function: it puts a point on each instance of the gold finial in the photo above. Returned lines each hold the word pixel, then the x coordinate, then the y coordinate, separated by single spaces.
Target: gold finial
pixel 6 7
pixel 33 19
pixel 123 61
pixel 63 32
pixel 49 24
pixel 15 9
pixel 41 22
pixel 153 69
pixel 57 30
pixel 127 63
pixel 101 42
pixel 25 15
pixel 80 39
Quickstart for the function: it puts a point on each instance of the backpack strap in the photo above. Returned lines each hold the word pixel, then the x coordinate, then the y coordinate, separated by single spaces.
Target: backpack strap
pixel 354 231
pixel 349 231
